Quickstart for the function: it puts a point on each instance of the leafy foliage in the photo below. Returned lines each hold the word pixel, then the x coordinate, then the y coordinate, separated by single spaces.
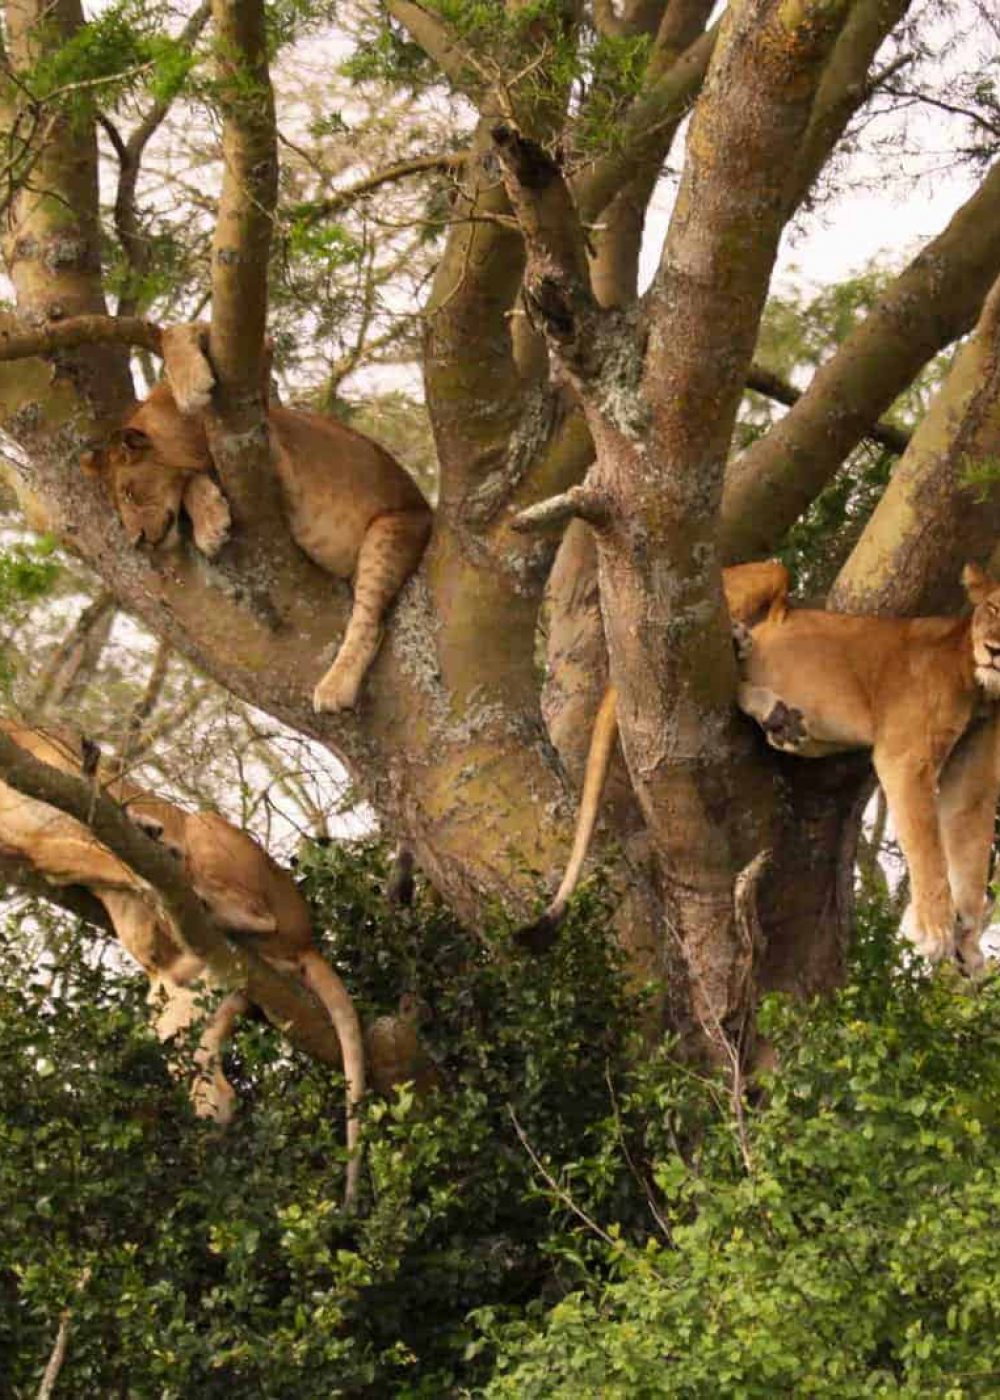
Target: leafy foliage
pixel 219 1263
pixel 569 1216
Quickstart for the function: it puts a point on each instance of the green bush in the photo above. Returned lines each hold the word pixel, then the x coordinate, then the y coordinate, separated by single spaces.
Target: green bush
pixel 571 1215
pixel 841 1244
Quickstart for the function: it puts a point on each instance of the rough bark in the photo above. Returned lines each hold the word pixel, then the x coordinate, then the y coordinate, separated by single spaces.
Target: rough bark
pixel 935 515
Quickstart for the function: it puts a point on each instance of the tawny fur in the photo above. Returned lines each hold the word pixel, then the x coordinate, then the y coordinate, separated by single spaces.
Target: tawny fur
pixel 350 506
pixel 245 890
pixel 916 691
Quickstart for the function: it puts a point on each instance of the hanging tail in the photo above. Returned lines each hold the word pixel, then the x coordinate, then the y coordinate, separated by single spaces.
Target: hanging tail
pixel 542 934
pixel 321 979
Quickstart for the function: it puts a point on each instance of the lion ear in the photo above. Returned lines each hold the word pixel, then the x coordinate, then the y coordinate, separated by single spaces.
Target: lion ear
pixel 977 583
pixel 92 463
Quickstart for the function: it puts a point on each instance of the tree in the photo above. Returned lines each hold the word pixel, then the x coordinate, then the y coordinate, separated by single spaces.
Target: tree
pixel 547 379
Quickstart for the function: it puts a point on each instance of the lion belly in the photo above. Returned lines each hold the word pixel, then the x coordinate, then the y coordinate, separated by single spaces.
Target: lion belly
pixel 335 483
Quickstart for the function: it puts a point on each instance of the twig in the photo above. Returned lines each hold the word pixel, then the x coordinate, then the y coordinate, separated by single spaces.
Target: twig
pixel 62 1343
pixel 554 1186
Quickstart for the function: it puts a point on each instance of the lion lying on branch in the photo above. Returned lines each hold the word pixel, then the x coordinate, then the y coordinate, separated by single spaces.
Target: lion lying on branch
pixel 350 506
pixel 247 893
pixel 919 692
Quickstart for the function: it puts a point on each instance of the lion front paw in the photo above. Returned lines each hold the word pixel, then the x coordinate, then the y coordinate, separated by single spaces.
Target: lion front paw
pixel 209 513
pixel 212 531
pixel 784 726
pixel 930 926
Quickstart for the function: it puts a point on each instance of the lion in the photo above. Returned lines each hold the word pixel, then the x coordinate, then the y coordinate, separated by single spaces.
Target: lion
pixel 246 891
pixel 350 506
pixel 919 692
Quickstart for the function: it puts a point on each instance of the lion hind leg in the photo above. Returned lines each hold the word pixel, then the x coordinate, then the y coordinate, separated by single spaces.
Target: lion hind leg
pixel 969 788
pixel 389 553
pixel 211 1092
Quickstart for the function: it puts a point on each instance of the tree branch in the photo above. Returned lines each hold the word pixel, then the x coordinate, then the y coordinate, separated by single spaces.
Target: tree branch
pixel 556 280
pixel 577 502
pixel 443 162
pixel 644 134
pixel 773 386
pixel 130 152
pixel 932 302
pixel 26 341
pixel 934 515
pixel 246 210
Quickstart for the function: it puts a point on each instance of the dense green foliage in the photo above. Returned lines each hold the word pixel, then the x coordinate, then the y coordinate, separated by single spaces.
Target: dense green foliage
pixel 840 1243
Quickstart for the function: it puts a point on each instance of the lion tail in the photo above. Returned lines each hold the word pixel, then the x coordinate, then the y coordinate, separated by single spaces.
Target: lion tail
pixel 321 979
pixel 542 933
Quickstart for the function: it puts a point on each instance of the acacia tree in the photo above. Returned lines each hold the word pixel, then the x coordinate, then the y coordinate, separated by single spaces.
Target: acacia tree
pixel 557 397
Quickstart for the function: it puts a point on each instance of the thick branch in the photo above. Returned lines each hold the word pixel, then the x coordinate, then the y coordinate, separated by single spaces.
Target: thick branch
pixel 844 87
pixel 933 301
pixel 658 564
pixel 556 280
pixel 773 386
pixel 934 514
pixel 282 997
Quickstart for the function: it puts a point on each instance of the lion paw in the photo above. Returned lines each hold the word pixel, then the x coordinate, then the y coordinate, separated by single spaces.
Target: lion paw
pixel 931 930
pixel 784 726
pixel 742 641
pixel 336 692
pixel 968 946
pixel 209 513
pixel 187 367
pixel 211 531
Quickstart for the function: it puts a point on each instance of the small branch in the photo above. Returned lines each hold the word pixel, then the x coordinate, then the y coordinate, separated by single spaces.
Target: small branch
pixel 558 1191
pixel 772 386
pixel 135 246
pixel 315 212
pixel 582 502
pixel 28 341
pixel 79 651
pixel 58 1356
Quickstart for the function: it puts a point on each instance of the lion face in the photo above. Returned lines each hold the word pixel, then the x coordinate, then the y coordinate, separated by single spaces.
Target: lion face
pixel 146 466
pixel 984 593
pixel 146 492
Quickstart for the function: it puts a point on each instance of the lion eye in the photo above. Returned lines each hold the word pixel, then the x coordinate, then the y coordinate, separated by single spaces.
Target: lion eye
pixel 128 495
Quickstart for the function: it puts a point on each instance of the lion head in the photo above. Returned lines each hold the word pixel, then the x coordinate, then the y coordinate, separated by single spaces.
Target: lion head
pixel 146 466
pixel 984 594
